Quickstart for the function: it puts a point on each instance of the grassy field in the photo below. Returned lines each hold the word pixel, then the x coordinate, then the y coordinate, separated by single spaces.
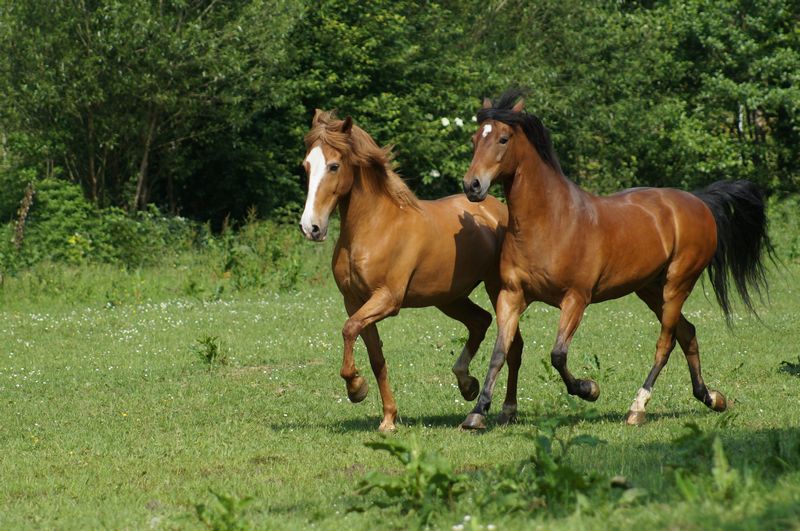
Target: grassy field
pixel 113 416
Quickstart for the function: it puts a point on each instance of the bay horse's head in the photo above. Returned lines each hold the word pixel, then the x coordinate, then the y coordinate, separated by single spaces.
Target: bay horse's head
pixel 504 132
pixel 330 176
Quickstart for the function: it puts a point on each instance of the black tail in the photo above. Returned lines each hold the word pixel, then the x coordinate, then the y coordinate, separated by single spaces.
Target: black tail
pixel 742 240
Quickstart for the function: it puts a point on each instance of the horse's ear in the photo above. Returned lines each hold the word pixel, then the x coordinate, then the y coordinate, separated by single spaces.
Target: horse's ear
pixel 317 115
pixel 519 105
pixel 487 103
pixel 347 124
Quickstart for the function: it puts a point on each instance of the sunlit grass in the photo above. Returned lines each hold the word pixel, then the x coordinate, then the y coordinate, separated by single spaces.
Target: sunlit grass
pixel 110 418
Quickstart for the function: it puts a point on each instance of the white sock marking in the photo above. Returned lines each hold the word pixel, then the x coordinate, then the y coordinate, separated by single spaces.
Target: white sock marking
pixel 641 400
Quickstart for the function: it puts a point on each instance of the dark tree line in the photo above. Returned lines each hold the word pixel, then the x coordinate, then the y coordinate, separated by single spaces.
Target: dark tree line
pixel 199 106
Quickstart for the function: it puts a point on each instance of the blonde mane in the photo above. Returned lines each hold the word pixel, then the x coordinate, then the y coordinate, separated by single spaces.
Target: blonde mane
pixel 359 149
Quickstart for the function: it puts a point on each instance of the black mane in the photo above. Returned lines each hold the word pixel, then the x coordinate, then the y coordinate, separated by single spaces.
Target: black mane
pixel 536 132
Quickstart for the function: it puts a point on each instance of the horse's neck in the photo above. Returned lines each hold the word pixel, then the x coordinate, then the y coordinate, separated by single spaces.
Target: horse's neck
pixel 539 192
pixel 367 205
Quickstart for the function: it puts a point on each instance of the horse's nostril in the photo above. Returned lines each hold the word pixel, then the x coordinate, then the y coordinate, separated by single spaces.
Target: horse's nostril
pixel 315 230
pixel 476 185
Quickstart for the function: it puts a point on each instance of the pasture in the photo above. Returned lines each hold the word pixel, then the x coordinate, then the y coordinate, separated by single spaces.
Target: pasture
pixel 129 400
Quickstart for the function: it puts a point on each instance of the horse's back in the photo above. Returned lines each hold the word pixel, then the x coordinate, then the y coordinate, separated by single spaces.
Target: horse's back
pixel 459 246
pixel 641 231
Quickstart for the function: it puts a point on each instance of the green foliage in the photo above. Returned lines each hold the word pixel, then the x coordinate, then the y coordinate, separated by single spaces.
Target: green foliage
pixel 546 481
pixel 225 513
pixel 200 107
pixel 207 348
pixel 426 484
pixel 261 254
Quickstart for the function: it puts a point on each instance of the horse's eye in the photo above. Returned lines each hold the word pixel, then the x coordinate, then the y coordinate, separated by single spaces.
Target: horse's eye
pixel 503 139
pixel 333 167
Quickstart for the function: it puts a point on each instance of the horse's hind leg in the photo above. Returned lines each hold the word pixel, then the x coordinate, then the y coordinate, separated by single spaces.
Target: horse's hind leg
pixel 688 341
pixel 375 349
pixel 477 320
pixel 654 298
pixel 673 326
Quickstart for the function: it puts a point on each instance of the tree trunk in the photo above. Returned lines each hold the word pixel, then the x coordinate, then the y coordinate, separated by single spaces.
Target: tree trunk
pixel 90 142
pixel 140 201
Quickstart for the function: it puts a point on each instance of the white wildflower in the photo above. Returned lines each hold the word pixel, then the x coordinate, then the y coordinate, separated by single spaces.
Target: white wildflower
pixel 459 122
pixel 474 118
pixel 445 122
pixel 429 116
pixel 434 173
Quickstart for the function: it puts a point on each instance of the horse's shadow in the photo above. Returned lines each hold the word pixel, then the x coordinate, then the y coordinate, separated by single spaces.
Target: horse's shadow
pixel 366 424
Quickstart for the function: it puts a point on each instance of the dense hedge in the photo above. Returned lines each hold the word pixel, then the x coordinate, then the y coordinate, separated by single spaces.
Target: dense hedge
pixel 199 107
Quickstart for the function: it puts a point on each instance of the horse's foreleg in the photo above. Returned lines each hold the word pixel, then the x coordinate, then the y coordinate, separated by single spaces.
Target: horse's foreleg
pixel 375 349
pixel 510 305
pixel 477 320
pixel 572 307
pixel 380 305
pixel 514 357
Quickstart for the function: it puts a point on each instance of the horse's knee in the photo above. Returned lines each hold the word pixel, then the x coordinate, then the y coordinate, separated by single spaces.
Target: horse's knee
pixel 351 330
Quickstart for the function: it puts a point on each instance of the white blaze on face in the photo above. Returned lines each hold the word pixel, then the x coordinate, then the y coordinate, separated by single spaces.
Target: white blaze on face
pixel 316 171
pixel 486 130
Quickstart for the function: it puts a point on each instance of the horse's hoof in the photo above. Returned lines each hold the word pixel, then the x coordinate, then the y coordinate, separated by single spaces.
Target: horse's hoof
pixel 718 401
pixel 589 390
pixel 361 390
pixel 635 418
pixel 471 390
pixel 474 421
pixel 507 416
pixel 387 427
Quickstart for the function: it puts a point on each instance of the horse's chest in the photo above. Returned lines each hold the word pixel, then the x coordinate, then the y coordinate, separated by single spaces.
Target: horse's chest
pixel 352 273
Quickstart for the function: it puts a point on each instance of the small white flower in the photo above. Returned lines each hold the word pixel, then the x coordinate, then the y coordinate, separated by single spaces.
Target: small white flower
pixel 459 122
pixel 434 173
pixel 474 118
pixel 429 116
pixel 445 122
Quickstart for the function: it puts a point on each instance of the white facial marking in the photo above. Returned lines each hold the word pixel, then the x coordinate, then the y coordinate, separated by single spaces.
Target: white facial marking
pixel 486 130
pixel 317 164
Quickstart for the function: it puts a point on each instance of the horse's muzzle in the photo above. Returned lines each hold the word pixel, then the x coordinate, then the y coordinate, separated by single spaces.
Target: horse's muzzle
pixel 474 190
pixel 315 234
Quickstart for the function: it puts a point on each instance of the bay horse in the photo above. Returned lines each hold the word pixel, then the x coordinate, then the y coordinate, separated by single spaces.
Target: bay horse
pixel 395 251
pixel 569 248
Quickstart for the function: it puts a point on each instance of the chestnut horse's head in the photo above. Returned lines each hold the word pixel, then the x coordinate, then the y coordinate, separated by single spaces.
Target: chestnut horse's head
pixel 329 175
pixel 339 156
pixel 505 131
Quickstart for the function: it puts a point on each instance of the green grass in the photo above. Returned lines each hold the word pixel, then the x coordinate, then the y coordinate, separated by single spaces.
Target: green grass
pixel 111 419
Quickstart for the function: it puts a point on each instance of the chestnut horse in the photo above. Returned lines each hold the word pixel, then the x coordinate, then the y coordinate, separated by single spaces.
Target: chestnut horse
pixel 397 251
pixel 569 248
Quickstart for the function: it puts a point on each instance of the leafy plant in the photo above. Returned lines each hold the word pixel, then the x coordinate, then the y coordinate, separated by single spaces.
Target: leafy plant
pixel 427 482
pixel 543 481
pixel 209 351
pixel 224 513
